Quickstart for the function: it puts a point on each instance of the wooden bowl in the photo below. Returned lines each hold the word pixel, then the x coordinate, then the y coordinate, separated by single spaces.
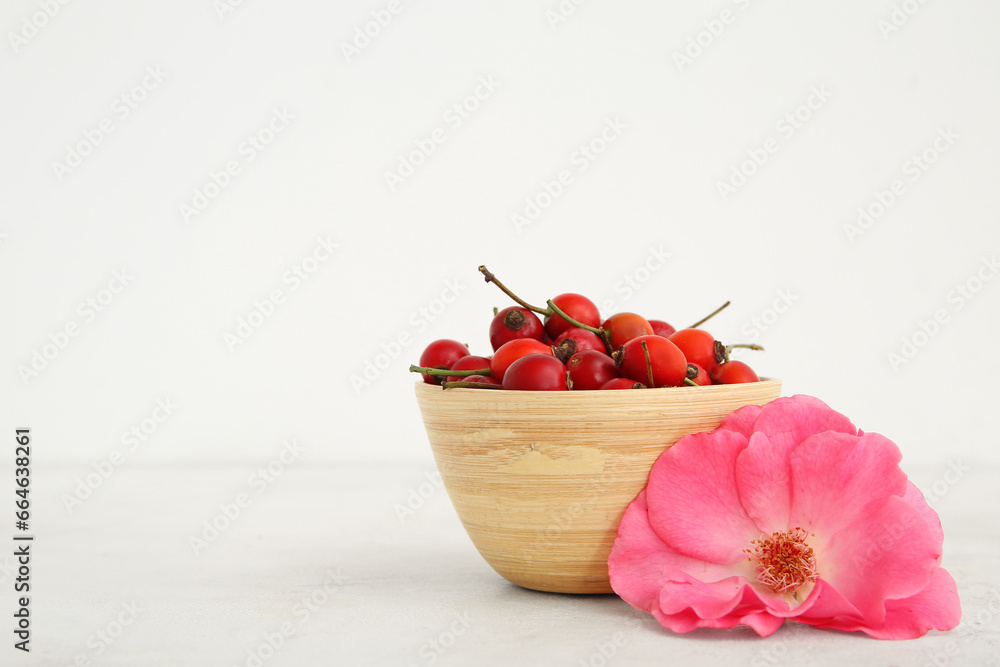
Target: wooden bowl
pixel 541 479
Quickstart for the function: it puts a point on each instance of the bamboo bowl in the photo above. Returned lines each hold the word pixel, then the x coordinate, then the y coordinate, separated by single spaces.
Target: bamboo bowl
pixel 541 479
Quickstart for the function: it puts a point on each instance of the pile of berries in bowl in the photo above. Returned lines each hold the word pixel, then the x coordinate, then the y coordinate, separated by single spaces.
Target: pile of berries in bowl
pixel 540 456
pixel 574 350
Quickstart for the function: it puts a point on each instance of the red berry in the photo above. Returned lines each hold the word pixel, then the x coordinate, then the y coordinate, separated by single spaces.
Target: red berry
pixel 590 369
pixel 699 347
pixel 698 375
pixel 623 327
pixel 733 372
pixel 441 354
pixel 536 372
pixel 481 379
pixel 580 308
pixel 513 323
pixel 575 340
pixel 661 328
pixel 622 383
pixel 510 352
pixel 469 362
pixel 666 363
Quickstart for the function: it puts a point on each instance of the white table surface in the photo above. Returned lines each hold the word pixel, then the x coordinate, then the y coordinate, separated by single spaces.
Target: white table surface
pixel 405 586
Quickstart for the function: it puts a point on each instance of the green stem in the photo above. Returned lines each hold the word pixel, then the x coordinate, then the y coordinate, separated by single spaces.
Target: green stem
pixel 691 383
pixel 469 385
pixel 424 370
pixel 490 278
pixel 710 315
pixel 729 348
pixel 600 332
pixel 649 363
pixel 561 313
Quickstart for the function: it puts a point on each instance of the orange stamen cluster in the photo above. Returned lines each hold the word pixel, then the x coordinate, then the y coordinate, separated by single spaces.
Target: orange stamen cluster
pixel 784 562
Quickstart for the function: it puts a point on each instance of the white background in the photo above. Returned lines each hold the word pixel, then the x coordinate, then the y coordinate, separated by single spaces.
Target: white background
pixel 889 91
pixel 656 185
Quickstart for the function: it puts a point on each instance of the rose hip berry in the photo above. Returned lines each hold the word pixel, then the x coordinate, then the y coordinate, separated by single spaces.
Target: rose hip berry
pixel 575 340
pixel 699 347
pixel 536 372
pixel 653 360
pixel 510 352
pixel 578 307
pixel 513 323
pixel 622 383
pixel 733 372
pixel 469 362
pixel 590 369
pixel 479 379
pixel 623 327
pixel 698 375
pixel 472 382
pixel 661 328
pixel 441 354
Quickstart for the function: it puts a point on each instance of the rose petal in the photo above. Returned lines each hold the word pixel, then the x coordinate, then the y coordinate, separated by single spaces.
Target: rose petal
pixel 762 623
pixel 704 599
pixel 742 420
pixel 827 604
pixel 763 481
pixel 646 573
pixel 745 608
pixel 876 539
pixel 693 503
pixel 915 498
pixel 640 563
pixel 789 422
pixel 801 413
pixel 890 553
pixel 762 471
pixel 838 479
pixel 936 607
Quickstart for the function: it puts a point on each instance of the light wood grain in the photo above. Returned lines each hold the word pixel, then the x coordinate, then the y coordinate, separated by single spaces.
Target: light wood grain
pixel 540 479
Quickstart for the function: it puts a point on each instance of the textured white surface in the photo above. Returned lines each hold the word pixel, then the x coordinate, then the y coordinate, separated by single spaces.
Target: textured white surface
pixel 385 588
pixel 828 308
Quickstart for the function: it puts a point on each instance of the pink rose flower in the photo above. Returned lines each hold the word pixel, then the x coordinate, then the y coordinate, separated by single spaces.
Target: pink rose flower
pixel 785 512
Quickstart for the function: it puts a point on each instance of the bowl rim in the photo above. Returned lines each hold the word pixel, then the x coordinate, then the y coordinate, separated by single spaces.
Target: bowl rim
pixel 647 394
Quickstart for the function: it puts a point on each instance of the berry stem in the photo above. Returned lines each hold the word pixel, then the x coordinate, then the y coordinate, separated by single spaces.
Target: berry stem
pixel 649 363
pixel 490 278
pixel 469 385
pixel 691 383
pixel 749 346
pixel 602 333
pixel 561 313
pixel 710 315
pixel 424 370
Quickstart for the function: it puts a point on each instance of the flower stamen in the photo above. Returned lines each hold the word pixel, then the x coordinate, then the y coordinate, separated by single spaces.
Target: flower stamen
pixel 784 562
